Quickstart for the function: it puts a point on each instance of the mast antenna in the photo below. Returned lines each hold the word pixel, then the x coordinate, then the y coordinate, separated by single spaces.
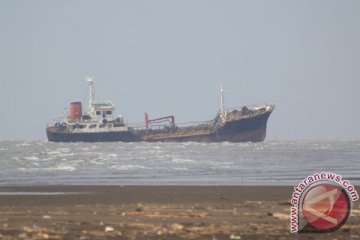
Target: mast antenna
pixel 222 105
pixel 89 79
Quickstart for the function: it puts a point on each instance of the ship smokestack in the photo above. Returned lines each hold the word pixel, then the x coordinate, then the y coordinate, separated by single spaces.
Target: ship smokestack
pixel 75 111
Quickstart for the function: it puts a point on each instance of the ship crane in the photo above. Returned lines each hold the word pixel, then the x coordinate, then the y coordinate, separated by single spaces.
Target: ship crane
pixel 167 119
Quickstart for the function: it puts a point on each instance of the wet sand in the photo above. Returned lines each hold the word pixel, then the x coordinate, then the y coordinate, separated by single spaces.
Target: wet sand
pixel 154 212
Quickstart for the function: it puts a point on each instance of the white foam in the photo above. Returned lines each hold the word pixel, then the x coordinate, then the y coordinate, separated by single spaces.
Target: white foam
pixel 54 152
pixel 31 158
pixel 48 169
pixel 180 168
pixel 23 144
pixel 128 167
pixel 66 150
pixel 64 168
pixel 85 149
pixel 183 160
pixel 96 162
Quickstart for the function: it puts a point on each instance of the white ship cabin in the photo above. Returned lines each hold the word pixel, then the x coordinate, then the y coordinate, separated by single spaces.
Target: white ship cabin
pixel 103 113
pixel 102 110
pixel 98 118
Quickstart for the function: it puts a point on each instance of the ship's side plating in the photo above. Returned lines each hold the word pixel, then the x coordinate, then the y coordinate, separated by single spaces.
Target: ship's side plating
pixel 252 129
pixel 246 125
pixel 56 135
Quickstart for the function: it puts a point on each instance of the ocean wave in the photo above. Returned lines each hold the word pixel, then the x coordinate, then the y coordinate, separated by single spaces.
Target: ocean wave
pixel 54 152
pixel 23 144
pixel 163 163
pixel 31 158
pixel 112 155
pixel 60 154
pixel 180 169
pixel 183 160
pixel 128 167
pixel 66 150
pixel 48 169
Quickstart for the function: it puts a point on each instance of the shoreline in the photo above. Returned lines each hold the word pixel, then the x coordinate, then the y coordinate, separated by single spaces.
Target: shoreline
pixel 153 212
pixel 138 193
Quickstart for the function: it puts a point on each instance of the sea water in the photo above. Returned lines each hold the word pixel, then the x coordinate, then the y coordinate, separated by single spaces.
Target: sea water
pixel 267 163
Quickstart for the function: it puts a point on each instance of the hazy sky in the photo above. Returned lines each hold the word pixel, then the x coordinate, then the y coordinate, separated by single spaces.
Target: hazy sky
pixel 170 57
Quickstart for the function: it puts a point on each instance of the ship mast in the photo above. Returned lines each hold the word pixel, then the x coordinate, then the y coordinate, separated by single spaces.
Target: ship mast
pixel 222 105
pixel 91 91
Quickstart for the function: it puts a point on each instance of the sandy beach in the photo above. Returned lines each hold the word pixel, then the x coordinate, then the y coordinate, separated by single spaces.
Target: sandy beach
pixel 154 212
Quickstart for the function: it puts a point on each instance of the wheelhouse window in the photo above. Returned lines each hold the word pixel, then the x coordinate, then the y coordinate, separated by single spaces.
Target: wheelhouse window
pixel 98 113
pixel 108 112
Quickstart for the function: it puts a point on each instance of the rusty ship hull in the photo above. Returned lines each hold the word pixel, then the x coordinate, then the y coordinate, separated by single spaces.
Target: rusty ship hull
pixel 252 129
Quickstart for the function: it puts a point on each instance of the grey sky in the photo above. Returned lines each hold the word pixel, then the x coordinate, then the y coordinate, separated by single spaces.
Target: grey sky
pixel 169 57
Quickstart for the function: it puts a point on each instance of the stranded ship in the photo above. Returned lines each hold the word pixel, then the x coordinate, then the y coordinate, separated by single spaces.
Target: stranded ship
pixel 98 124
